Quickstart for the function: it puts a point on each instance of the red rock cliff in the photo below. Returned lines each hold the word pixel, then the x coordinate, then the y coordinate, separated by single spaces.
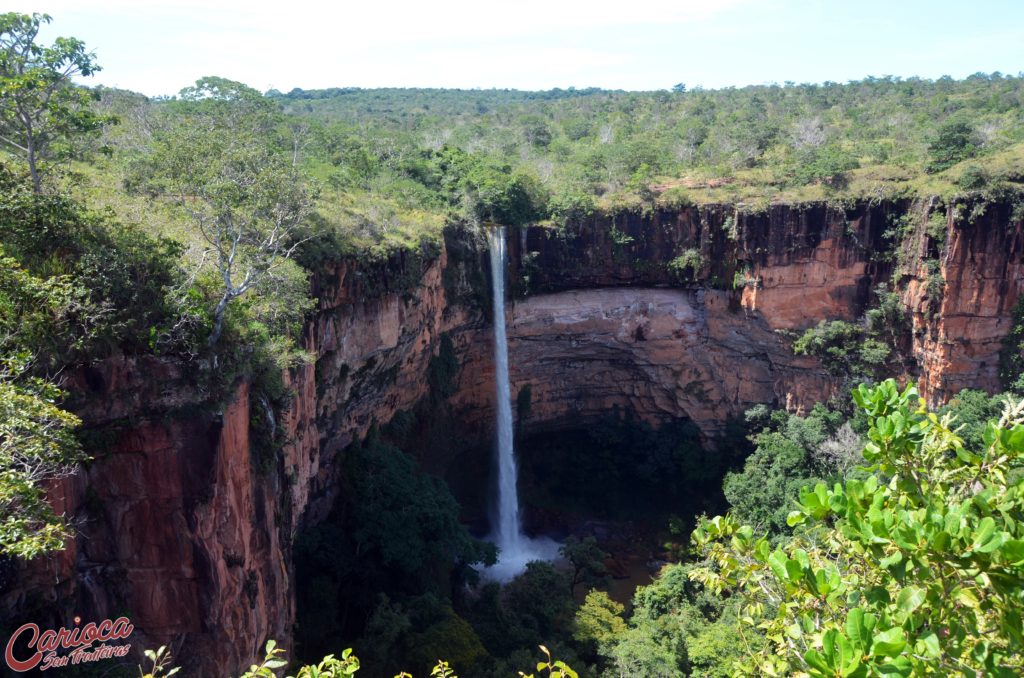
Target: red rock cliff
pixel 182 531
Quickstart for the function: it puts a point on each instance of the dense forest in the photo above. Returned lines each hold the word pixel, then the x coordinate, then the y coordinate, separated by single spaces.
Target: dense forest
pixel 864 537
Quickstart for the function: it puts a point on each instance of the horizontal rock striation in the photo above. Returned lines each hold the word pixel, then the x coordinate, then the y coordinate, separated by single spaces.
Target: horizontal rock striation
pixel 668 314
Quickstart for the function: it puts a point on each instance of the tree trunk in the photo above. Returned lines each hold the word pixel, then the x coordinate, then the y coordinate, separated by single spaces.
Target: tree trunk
pixel 37 184
pixel 218 320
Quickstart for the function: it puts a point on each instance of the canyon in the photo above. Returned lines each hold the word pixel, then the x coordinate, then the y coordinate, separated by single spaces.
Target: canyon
pixel 182 530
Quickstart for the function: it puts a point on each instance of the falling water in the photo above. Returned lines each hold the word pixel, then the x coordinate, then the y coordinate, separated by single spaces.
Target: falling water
pixel 507 535
pixel 515 548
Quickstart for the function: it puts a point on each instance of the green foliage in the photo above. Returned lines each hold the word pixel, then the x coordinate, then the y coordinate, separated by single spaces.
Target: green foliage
pixel 973 178
pixel 405 519
pixel 789 452
pixel 532 608
pixel 843 349
pixel 39 104
pixel 677 628
pixel 937 225
pixel 1011 356
pixel 98 285
pixel 37 444
pixel 599 622
pixel 973 410
pixel 953 142
pixel 160 662
pixel 334 667
pixel 411 634
pixel 583 148
pixel 859 351
pixel 486 188
pixel 888 320
pixel 218 159
pixel 329 667
pixel 398 533
pixel 587 560
pixel 687 265
pixel 52 316
pixel 826 164
pixel 554 668
pixel 914 570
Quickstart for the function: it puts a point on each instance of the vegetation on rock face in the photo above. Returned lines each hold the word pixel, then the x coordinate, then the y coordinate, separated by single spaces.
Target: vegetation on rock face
pixel 1011 358
pixel 37 445
pixel 860 351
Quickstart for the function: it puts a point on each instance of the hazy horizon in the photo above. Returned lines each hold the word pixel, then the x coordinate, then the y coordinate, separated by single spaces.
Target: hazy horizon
pixel 161 47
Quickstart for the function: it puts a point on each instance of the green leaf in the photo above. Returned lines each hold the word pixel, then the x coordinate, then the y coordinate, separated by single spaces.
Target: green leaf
pixel 817 661
pixel 983 531
pixel 1015 439
pixel 858 627
pixel 777 561
pixel 888 643
pixel 889 561
pixel 997 540
pixel 909 599
pixel 929 645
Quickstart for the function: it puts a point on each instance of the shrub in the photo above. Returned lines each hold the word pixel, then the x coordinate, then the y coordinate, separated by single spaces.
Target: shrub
pixel 1011 357
pixel 973 178
pixel 953 142
pixel 914 570
pixel 687 264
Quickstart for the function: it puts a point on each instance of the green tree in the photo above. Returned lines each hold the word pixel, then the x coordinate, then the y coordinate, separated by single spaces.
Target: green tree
pixel 587 560
pixel 39 104
pixel 914 570
pixel 953 142
pixel 246 198
pixel 787 454
pixel 599 621
pixel 37 445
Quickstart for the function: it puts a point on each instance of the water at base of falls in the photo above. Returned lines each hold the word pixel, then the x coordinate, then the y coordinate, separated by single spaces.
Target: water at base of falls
pixel 512 562
pixel 515 548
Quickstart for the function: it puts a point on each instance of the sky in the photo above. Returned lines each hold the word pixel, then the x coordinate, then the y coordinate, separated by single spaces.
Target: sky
pixel 157 47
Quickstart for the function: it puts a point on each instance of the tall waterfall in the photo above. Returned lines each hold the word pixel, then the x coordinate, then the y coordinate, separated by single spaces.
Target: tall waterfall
pixel 515 548
pixel 507 533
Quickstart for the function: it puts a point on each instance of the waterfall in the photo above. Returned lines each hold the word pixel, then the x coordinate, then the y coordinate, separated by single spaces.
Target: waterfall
pixel 515 548
pixel 507 533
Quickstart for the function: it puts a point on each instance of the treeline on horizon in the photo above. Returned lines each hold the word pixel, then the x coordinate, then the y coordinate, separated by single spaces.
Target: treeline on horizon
pixel 576 151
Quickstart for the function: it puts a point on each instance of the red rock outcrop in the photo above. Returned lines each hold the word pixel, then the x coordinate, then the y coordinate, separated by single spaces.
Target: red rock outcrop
pixel 180 529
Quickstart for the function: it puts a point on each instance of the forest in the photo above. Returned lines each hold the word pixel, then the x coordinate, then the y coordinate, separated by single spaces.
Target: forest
pixel 869 535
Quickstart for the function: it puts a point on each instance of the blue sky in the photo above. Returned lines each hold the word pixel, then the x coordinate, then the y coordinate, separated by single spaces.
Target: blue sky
pixel 159 47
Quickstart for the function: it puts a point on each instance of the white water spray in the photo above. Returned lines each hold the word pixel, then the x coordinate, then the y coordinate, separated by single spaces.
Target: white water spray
pixel 515 548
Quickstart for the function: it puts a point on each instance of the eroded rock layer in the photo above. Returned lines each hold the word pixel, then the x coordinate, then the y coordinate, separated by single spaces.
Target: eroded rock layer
pixel 670 314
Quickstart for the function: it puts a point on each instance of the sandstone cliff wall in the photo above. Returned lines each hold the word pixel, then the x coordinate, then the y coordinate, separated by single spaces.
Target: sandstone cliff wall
pixel 180 529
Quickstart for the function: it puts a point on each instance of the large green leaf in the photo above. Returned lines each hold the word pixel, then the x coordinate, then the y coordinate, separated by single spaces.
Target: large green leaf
pixel 888 643
pixel 909 599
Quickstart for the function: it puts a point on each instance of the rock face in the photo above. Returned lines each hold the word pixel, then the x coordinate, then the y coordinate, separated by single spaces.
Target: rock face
pixel 959 328
pixel 661 353
pixel 669 314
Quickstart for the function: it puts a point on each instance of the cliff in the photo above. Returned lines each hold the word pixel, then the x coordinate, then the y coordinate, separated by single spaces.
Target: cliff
pixel 669 314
